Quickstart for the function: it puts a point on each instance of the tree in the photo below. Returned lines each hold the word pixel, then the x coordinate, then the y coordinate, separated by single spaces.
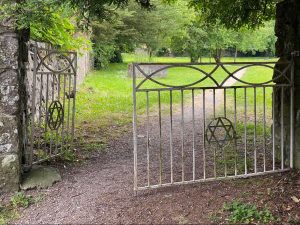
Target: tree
pixel 236 14
pixel 202 38
pixel 259 40
pixel 53 20
pixel 156 27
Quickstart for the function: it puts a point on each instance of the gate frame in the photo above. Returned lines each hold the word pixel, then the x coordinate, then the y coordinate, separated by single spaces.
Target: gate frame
pixel 39 62
pixel 135 89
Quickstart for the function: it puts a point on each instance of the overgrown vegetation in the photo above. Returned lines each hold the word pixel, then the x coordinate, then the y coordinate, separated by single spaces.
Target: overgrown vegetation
pixel 184 32
pixel 118 26
pixel 9 211
pixel 246 213
pixel 21 200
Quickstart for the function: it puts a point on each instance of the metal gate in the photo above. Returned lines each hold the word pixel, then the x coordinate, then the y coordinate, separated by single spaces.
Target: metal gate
pixel 52 90
pixel 228 120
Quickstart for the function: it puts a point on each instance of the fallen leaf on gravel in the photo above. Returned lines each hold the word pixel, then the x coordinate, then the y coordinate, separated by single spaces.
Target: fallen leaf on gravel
pixel 287 208
pixel 295 199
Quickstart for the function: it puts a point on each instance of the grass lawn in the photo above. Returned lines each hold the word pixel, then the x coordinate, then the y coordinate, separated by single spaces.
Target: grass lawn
pixel 253 75
pixel 105 97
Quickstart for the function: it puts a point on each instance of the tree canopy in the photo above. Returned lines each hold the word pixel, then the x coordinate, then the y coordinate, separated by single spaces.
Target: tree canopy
pixel 237 13
pixel 192 27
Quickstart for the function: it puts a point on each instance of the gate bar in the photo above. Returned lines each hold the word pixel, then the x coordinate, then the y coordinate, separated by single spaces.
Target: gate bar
pixel 245 128
pixel 204 156
pixel 213 179
pixel 255 123
pixel 264 127
pixel 193 118
pixel 282 128
pixel 134 131
pixel 292 125
pixel 182 136
pixel 148 157
pixel 171 134
pixel 160 141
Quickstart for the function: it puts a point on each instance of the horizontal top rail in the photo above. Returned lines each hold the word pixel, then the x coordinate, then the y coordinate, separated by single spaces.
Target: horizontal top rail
pixel 281 74
pixel 209 63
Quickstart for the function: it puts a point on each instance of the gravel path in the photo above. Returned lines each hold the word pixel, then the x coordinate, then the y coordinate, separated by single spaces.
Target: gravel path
pixel 102 192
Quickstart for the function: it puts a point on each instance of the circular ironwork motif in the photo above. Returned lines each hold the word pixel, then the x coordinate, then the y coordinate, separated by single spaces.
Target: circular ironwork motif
pixel 55 115
pixel 220 131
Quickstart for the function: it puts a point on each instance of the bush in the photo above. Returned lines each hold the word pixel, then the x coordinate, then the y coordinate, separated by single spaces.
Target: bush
pixel 102 54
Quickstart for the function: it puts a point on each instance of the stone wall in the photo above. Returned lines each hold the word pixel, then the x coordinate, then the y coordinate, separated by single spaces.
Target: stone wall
pixel 9 108
pixel 148 69
pixel 84 65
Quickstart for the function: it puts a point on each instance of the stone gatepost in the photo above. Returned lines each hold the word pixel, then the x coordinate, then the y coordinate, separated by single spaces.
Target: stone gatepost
pixel 12 73
pixel 287 29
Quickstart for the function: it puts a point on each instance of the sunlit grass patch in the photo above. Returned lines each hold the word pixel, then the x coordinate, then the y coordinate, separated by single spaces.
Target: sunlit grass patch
pixel 105 98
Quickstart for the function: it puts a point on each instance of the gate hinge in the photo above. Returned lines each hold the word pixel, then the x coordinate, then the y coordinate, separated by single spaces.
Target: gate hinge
pixel 296 53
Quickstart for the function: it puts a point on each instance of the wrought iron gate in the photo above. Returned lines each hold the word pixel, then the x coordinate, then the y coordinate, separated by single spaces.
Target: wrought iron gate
pixel 228 121
pixel 51 101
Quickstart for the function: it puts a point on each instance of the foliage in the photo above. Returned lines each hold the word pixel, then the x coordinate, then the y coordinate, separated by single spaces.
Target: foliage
pixel 60 32
pixel 259 40
pixel 236 14
pixel 112 36
pixel 21 200
pixel 68 155
pixel 201 38
pixel 9 210
pixel 156 28
pixel 247 213
pixel 47 21
pixel 103 52
pixel 7 214
pixel 53 20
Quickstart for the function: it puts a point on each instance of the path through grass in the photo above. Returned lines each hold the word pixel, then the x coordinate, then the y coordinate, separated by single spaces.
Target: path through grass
pixel 105 98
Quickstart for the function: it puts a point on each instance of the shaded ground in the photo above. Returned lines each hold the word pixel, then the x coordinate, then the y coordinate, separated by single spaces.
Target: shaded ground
pixel 102 192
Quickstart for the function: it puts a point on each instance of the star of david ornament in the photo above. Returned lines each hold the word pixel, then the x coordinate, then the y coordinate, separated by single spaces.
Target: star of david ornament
pixel 220 131
pixel 55 115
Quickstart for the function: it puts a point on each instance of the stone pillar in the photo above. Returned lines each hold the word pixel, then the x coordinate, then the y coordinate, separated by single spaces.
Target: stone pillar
pixel 287 29
pixel 13 101
pixel 9 100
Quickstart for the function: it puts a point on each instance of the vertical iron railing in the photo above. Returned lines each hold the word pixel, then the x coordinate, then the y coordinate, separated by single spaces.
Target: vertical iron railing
pixel 52 91
pixel 219 126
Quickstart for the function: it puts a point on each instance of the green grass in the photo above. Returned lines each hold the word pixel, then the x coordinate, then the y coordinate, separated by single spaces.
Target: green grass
pixel 253 75
pixel 129 58
pixel 106 95
pixel 105 98
pixel 9 211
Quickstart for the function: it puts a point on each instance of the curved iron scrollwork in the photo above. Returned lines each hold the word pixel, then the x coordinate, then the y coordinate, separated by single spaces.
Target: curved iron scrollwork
pixel 55 61
pixel 55 115
pixel 220 131
pixel 210 75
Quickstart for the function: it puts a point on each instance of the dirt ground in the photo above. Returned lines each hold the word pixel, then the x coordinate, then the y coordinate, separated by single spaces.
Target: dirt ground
pixel 101 191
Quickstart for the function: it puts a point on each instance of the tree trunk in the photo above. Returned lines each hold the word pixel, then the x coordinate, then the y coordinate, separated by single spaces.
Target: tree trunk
pixel 288 32
pixel 235 54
